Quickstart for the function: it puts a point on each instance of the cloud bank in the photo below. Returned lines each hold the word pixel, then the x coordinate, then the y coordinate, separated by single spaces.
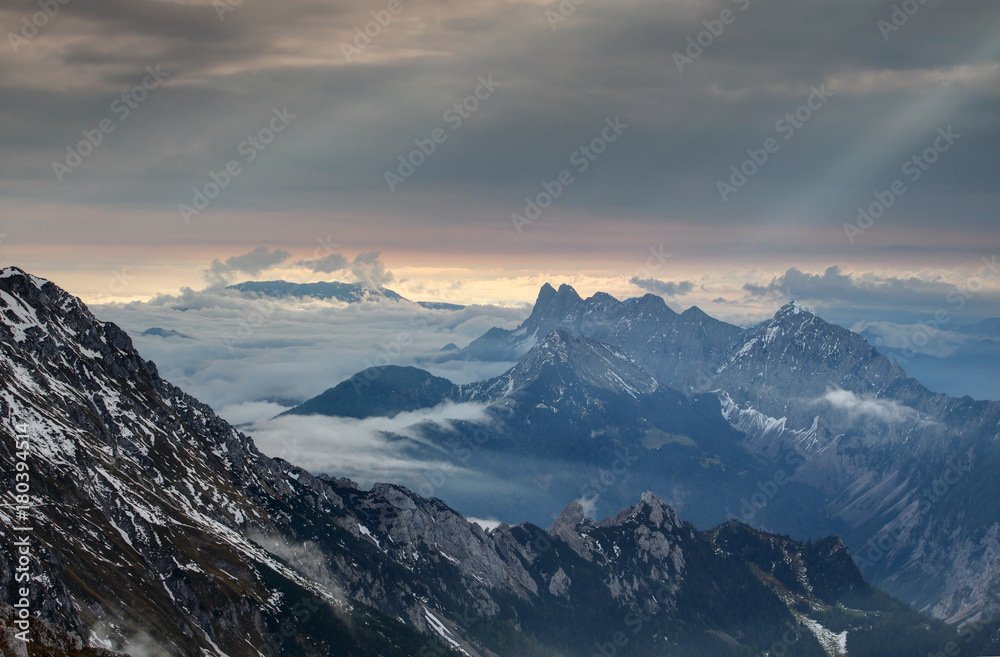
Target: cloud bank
pixel 664 288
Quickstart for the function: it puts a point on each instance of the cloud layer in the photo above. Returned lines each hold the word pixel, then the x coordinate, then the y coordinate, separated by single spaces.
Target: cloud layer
pixel 369 450
pixel 856 406
pixel 663 288
pixel 251 358
pixel 252 264
pixel 358 117
pixel 971 292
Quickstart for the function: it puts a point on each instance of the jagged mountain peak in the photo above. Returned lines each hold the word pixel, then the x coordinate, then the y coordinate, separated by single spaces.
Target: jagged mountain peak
pixel 548 293
pixel 565 308
pixel 545 294
pixel 16 272
pixel 650 510
pixel 570 517
pixel 655 303
pixel 36 292
pixel 798 356
pixel 644 326
pixel 52 335
pixel 568 291
pixel 795 325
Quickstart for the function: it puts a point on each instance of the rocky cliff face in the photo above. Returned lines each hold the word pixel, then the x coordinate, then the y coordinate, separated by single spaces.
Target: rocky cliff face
pixel 144 503
pixel 152 525
pixel 898 463
pixel 888 461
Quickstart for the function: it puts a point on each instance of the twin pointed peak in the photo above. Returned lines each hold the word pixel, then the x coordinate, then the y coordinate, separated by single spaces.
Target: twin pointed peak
pixel 548 294
pixel 650 509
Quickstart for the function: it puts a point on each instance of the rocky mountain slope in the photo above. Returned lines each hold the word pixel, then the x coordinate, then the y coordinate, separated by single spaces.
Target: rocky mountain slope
pixel 575 419
pixel 858 447
pixel 152 519
pixel 153 527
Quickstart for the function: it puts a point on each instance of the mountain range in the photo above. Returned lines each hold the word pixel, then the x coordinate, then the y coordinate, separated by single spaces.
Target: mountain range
pixel 153 527
pixel 796 424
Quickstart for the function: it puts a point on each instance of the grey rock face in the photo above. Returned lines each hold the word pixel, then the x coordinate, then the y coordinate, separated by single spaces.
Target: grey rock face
pixel 872 441
pixel 157 523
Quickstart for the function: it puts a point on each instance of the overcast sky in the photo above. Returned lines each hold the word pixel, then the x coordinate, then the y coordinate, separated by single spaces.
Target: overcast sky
pixel 837 95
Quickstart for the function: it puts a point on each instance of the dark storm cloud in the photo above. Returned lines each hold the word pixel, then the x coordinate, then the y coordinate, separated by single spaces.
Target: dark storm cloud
pixel 832 285
pixel 903 298
pixel 356 119
pixel 251 263
pixel 327 264
pixel 664 288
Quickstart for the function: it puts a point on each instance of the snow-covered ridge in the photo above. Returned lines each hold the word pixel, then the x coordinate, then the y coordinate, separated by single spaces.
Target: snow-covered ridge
pixel 762 429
